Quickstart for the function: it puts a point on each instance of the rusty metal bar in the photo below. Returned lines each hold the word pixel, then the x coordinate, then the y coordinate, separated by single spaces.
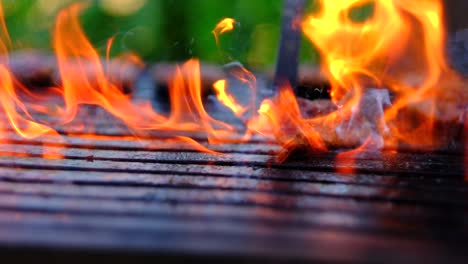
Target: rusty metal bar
pixel 290 42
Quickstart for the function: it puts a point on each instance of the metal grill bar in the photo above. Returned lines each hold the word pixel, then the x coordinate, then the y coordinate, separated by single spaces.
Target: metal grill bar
pixel 116 195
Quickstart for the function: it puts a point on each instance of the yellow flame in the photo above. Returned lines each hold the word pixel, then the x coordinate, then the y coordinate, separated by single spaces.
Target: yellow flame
pixel 399 46
pixel 227 99
pixel 225 25
pixel 10 102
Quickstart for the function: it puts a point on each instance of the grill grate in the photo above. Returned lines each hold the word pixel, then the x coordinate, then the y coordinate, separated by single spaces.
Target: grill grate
pixel 122 197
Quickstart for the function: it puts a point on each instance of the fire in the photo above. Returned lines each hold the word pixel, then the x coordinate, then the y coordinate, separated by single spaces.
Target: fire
pixel 396 51
pixel 10 102
pixel 391 85
pixel 85 82
pixel 281 117
pixel 399 47
pixel 225 25
pixel 74 51
pixel 187 110
pixel 227 99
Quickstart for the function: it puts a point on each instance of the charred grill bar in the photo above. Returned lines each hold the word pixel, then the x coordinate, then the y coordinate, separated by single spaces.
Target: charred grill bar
pixel 122 198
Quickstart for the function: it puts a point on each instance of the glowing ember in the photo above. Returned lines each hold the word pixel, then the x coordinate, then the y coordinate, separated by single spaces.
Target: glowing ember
pixel 281 117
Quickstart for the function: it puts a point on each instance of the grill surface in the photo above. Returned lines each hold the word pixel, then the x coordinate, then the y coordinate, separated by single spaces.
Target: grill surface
pixel 123 198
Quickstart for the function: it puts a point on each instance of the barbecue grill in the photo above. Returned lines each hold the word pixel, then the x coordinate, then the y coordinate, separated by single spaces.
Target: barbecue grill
pixel 121 197
pixel 99 194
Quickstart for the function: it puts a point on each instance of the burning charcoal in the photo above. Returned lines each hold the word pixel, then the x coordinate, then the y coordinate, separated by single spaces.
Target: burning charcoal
pixel 297 148
pixel 362 124
pixel 366 120
pixel 316 108
pixel 442 124
pixel 346 127
pixel 352 127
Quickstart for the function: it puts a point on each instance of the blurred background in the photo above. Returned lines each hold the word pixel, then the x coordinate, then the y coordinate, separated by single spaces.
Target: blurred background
pixel 175 30
pixel 162 30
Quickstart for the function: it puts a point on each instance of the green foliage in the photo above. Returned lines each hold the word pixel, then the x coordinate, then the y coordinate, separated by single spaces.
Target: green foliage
pixel 362 12
pixel 166 30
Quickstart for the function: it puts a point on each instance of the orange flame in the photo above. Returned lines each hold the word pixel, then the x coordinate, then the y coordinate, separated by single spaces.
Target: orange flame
pixel 225 25
pixel 71 45
pixel 227 99
pixel 249 83
pixel 187 111
pixel 9 99
pixel 400 46
pixel 281 117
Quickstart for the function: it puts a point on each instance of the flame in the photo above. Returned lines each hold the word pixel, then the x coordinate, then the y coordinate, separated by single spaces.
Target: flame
pixel 396 52
pixel 187 111
pixel 10 102
pixel 227 99
pixel 71 45
pixel 282 118
pixel 225 25
pixel 400 47
pixel 244 109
